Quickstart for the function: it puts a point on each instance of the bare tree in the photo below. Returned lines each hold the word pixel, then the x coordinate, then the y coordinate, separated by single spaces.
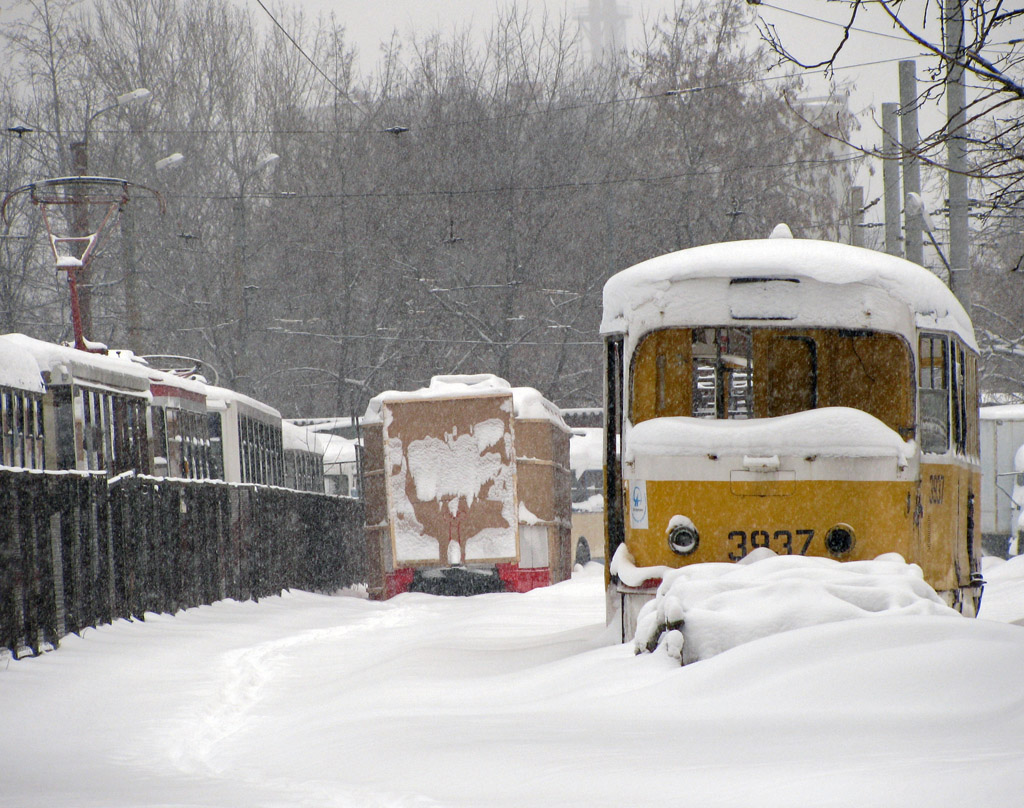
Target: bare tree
pixel 457 211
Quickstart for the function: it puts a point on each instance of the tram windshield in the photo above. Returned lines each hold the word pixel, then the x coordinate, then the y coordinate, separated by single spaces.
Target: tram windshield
pixel 749 372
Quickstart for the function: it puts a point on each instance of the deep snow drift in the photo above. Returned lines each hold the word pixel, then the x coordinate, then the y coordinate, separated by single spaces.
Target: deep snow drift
pixel 513 700
pixel 704 609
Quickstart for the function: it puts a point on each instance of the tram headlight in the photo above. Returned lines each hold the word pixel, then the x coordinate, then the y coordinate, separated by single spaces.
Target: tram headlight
pixel 683 537
pixel 839 540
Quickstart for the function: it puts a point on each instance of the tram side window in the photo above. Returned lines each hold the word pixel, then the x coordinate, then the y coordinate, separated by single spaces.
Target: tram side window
pixel 160 442
pixel 933 392
pixel 959 385
pixel 971 404
pixel 216 447
pixel 22 433
pixel 64 417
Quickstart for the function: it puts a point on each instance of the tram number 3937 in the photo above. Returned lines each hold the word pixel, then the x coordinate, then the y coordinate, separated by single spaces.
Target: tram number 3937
pixel 787 542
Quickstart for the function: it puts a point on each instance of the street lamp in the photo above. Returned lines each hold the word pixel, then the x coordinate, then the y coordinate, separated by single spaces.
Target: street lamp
pixel 80 218
pixel 168 161
pixel 80 148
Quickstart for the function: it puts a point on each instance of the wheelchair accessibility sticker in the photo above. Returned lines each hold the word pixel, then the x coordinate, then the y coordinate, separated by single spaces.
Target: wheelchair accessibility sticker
pixel 638 504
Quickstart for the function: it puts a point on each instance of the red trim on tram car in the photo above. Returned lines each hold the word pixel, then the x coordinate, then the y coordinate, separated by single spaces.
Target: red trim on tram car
pixel 518 579
pixel 397 582
pixel 515 579
pixel 168 391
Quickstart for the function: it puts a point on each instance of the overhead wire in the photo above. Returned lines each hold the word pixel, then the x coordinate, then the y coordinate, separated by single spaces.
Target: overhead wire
pixel 832 23
pixel 299 48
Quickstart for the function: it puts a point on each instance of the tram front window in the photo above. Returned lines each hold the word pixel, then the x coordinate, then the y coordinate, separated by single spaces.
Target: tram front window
pixel 722 373
pixel 750 372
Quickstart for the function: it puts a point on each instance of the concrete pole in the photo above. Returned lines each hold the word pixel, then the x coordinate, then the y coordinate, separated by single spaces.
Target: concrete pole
pixel 857 216
pixel 956 150
pixel 132 311
pixel 891 178
pixel 911 164
pixel 240 380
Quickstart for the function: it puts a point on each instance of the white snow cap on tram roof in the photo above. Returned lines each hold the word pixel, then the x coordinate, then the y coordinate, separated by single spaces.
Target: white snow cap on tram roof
pixel 18 368
pixel 300 438
pixel 528 403
pixel 49 356
pixel 217 398
pixel 639 292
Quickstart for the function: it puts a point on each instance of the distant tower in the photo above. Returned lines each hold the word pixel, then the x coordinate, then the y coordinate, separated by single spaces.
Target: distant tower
pixel 605 24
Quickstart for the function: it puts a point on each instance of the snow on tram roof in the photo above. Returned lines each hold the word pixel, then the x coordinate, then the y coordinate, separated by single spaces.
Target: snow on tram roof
pixel 639 295
pixel 218 398
pixel 113 370
pixel 527 403
pixel 18 367
pixel 20 354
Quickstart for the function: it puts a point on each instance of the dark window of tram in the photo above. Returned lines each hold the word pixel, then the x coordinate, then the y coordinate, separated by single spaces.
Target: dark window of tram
pixel 216 447
pixel 933 391
pixel 959 396
pixel 160 449
pixel 125 456
pixel 64 418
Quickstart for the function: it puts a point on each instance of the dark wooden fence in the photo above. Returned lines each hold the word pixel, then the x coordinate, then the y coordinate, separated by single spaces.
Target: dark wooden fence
pixel 79 550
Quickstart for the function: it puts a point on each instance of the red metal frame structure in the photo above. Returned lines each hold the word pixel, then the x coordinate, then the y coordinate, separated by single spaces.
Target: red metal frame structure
pixel 110 192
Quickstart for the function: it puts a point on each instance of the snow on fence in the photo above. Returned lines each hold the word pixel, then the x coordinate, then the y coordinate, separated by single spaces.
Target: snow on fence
pixel 80 550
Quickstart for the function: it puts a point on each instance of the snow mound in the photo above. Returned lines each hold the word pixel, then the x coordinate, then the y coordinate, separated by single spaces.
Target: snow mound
pixel 1003 600
pixel 826 432
pixel 704 609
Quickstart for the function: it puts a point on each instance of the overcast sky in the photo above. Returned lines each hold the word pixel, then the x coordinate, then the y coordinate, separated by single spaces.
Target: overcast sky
pixel 370 22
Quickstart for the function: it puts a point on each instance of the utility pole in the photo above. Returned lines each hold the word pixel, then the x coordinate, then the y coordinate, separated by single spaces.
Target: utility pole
pixel 242 290
pixel 911 165
pixel 857 216
pixel 79 208
pixel 891 177
pixel 956 150
pixel 131 280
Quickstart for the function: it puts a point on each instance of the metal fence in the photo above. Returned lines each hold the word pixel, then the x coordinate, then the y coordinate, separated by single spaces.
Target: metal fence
pixel 79 550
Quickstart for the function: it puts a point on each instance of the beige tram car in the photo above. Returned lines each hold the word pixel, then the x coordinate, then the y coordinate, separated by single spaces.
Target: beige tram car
pixel 467 489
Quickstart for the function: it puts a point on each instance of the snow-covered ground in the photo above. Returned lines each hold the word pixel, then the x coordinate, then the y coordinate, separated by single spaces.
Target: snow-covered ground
pixel 514 700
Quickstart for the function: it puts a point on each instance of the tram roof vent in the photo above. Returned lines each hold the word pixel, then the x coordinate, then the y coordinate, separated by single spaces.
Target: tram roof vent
pixel 781 231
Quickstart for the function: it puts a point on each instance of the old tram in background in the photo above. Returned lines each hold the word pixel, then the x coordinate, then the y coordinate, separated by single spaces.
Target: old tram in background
pixel 799 395
pixel 467 489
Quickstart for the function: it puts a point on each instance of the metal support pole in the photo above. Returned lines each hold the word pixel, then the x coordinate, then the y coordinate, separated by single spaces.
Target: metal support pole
pixel 891 178
pixel 133 316
pixel 911 164
pixel 857 216
pixel 956 146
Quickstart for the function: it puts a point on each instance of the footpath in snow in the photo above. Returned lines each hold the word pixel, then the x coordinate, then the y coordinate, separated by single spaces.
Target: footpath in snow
pixel 514 700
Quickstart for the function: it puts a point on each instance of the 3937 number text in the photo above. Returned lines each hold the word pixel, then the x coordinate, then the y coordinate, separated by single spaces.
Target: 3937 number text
pixel 783 542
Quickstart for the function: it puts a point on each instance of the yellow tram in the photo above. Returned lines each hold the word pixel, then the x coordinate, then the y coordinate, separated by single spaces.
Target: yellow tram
pixel 800 395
